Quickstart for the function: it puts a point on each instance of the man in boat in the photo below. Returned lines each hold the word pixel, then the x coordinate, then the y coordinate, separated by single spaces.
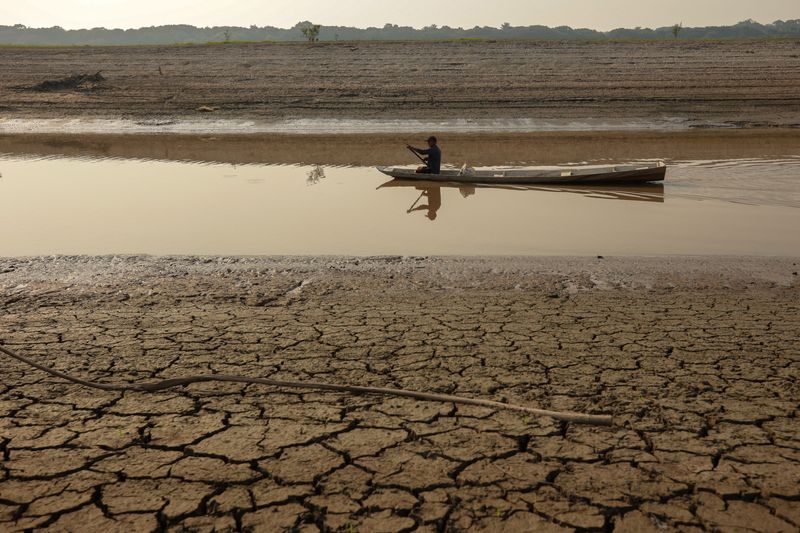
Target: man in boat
pixel 433 163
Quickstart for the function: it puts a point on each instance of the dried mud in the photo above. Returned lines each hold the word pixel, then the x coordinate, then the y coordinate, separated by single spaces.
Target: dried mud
pixel 740 83
pixel 696 358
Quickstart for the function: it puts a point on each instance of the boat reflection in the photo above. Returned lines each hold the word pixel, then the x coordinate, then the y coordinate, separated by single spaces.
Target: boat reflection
pixel 429 200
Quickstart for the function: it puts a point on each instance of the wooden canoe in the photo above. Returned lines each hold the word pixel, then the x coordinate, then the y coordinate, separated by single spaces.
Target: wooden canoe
pixel 638 173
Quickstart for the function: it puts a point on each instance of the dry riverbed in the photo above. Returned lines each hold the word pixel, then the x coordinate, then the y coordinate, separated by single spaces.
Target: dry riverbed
pixel 696 358
pixel 587 84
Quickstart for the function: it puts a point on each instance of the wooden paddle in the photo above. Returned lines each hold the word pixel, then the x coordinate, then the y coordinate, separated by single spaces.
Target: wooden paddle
pixel 416 154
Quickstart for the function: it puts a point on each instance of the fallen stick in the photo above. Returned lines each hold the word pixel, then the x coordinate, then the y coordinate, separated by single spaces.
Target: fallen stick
pixel 565 416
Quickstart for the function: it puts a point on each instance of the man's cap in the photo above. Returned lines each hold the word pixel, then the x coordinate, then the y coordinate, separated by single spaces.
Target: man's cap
pixel 432 138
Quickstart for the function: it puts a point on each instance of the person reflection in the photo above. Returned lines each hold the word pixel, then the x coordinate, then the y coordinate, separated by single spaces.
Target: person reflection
pixel 433 195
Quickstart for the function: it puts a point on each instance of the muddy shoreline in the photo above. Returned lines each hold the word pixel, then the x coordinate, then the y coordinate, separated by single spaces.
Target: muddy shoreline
pixel 694 356
pixel 549 148
pixel 685 84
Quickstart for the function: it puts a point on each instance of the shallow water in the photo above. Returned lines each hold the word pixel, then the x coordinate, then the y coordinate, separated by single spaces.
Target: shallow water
pixel 110 206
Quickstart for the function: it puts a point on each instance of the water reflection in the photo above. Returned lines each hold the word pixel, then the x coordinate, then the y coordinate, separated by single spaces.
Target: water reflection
pixel 314 175
pixel 433 197
pixel 429 200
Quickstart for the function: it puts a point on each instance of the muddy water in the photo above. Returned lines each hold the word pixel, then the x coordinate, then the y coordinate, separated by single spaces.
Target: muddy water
pixel 110 206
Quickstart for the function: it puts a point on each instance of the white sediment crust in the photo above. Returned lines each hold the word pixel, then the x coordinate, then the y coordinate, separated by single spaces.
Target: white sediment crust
pixel 323 126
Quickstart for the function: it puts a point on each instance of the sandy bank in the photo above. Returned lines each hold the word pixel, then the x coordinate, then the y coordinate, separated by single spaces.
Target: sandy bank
pixel 695 357
pixel 385 149
pixel 661 84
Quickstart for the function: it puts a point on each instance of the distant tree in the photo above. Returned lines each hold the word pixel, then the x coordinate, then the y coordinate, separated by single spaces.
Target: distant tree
pixel 227 36
pixel 506 26
pixel 676 29
pixel 311 32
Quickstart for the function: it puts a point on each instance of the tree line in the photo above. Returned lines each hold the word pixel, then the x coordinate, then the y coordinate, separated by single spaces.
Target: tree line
pixel 306 31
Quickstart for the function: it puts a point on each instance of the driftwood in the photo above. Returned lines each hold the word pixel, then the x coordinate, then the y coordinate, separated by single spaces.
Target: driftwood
pixel 578 418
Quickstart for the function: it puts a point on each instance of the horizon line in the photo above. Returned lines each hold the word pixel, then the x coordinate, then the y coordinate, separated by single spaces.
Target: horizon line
pixel 392 25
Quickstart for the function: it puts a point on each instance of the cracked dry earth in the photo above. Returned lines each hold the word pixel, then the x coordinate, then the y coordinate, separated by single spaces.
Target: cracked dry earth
pixel 697 359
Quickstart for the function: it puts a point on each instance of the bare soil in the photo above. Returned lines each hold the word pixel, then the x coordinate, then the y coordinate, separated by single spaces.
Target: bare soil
pixel 696 358
pixel 741 83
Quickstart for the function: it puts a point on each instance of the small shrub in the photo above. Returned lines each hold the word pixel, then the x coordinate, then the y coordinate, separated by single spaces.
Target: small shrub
pixel 311 32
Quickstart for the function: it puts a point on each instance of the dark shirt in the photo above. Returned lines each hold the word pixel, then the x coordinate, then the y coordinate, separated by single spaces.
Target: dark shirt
pixel 434 159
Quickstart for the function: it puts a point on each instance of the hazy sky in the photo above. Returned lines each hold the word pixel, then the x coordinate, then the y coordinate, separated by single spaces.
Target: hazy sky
pixel 598 14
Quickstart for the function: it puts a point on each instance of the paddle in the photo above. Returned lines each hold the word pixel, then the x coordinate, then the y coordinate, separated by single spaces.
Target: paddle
pixel 410 209
pixel 416 154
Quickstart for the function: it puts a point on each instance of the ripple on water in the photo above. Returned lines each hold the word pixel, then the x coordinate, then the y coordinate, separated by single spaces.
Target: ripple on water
pixel 751 181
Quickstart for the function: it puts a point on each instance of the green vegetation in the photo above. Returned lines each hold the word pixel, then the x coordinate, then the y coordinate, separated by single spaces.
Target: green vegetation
pixel 311 32
pixel 306 31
